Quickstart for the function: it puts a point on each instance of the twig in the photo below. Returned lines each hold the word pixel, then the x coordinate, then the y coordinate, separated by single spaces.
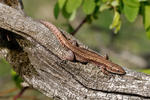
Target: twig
pixel 43 70
pixel 20 93
pixel 80 25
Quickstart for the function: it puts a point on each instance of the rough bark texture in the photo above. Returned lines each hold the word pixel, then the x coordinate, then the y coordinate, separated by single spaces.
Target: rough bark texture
pixel 34 52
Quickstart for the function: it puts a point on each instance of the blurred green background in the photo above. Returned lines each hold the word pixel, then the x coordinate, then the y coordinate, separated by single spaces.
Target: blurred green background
pixel 129 48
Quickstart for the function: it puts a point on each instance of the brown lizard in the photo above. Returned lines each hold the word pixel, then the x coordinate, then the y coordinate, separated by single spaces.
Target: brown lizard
pixel 84 55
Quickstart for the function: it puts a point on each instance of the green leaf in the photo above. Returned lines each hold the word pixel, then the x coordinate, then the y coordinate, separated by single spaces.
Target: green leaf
pixel 61 3
pixel 16 78
pixel 147 19
pixel 145 71
pixel 104 1
pixel 70 28
pixel 115 3
pixel 116 24
pixel 72 16
pixel 104 7
pixel 131 9
pixel 56 11
pixel 88 6
pixel 72 5
pixel 148 32
pixel 65 13
pixel 143 0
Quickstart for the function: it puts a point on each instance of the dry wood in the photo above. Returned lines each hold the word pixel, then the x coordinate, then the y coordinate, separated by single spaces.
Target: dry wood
pixel 34 52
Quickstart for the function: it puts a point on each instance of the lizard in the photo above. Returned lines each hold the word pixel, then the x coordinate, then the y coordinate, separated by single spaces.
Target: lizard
pixel 84 55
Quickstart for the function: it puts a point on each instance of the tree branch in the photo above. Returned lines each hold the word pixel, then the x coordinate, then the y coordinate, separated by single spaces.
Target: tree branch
pixel 34 52
pixel 79 26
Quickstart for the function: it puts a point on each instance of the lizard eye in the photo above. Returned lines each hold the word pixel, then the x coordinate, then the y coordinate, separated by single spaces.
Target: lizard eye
pixel 117 70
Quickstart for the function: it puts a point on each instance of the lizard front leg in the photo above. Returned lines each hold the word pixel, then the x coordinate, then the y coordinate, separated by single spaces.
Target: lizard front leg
pixel 103 68
pixel 80 59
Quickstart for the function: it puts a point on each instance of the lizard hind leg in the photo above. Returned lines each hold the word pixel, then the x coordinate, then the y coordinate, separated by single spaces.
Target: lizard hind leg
pixel 69 56
pixel 75 58
pixel 80 59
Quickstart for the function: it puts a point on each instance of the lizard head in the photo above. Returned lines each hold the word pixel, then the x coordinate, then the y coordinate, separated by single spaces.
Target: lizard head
pixel 116 69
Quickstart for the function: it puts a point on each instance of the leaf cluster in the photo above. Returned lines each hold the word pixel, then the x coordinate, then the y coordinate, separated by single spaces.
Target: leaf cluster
pixel 91 9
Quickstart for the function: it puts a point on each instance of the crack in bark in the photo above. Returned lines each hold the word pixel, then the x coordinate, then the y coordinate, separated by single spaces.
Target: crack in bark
pixel 104 91
pixel 82 80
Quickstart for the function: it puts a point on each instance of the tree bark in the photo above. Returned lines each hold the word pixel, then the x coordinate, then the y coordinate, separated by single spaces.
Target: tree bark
pixel 34 52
